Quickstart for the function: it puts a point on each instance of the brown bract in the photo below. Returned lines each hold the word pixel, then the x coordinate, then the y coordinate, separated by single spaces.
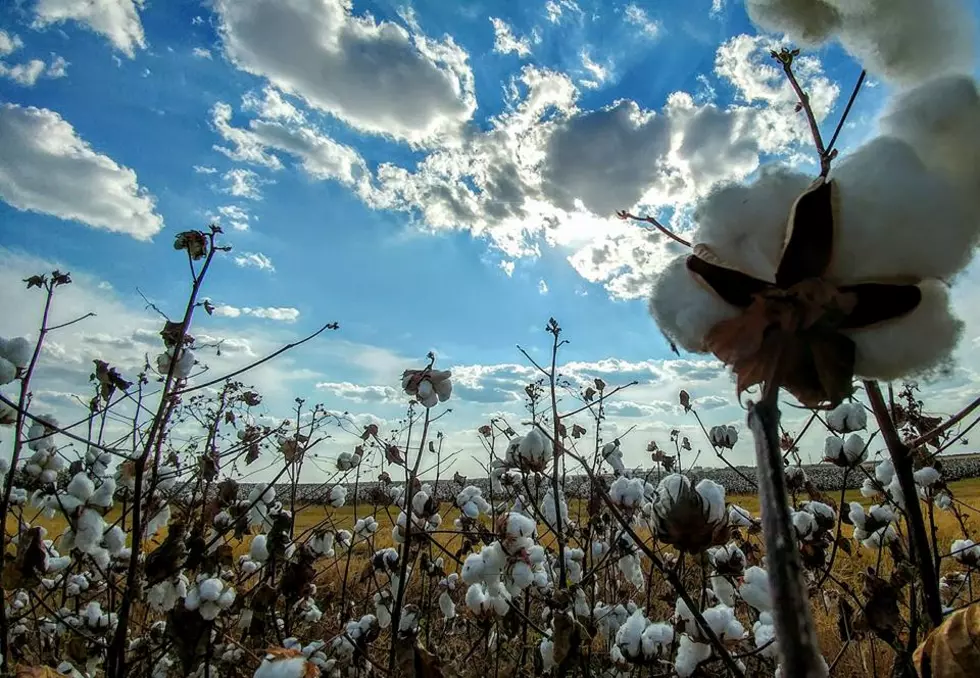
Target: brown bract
pixel 685 523
pixel 790 330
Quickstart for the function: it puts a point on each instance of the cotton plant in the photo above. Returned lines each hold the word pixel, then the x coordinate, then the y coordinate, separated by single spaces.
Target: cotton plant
pixel 164 595
pixel 531 452
pixel 690 518
pixel 806 257
pixel 965 552
pixel 45 462
pixel 86 504
pixel 430 387
pixel 547 507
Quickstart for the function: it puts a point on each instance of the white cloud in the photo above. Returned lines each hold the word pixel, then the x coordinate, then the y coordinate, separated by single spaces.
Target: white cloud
pixel 201 53
pixel 507 267
pixel 58 68
pixel 505 42
pixel 284 314
pixel 243 183
pixel 116 20
pixel 28 72
pixel 9 43
pixel 203 169
pixel 542 287
pixel 197 21
pixel 637 16
pixel 25 74
pixel 555 9
pixel 254 260
pixel 238 217
pixel 597 72
pixel 46 167
pixel 352 66
pixel 320 156
pixel 361 393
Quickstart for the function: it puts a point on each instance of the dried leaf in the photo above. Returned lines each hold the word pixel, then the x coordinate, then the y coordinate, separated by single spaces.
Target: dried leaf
pixel 685 399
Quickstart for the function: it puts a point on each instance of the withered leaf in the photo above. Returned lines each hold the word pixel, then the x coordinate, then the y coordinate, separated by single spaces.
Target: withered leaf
pixel 685 399
pixel 953 649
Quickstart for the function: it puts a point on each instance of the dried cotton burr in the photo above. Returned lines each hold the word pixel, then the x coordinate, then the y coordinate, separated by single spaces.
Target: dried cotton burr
pixel 809 283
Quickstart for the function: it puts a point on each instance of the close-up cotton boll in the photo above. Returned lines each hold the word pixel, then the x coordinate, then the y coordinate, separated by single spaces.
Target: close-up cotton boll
pixel 847 417
pixel 428 386
pixel 612 453
pixel 754 589
pixel 183 367
pixel 209 595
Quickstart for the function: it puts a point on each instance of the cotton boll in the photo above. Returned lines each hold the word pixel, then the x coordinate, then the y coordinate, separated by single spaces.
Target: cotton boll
pixel 885 472
pixel 115 540
pixel 684 309
pixel 926 476
pixel 714 499
pixel 885 194
pixel 629 637
pixel 447 606
pixel 476 599
pixel 8 371
pixel 744 225
pixel 854 449
pixel 81 486
pixel 763 632
pixel 338 495
pixel 472 571
pixel 258 550
pixel 723 589
pixel 755 589
pixel 915 343
pixel 657 639
pixel 939 120
pixel 739 517
pixel 905 41
pixel 17 350
pixel 689 655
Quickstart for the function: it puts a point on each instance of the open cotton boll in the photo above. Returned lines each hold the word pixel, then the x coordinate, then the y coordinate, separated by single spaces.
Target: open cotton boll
pixel 17 350
pixel 629 637
pixel 847 417
pixel 714 499
pixel 258 550
pixel 81 486
pixel 722 621
pixel 338 495
pixel 8 371
pixel 689 655
pixel 912 344
pixel 764 631
pixel 926 476
pixel 114 540
pixel 744 224
pixel 739 517
pixel 684 309
pixel 657 639
pixel 723 589
pixel 755 589
pixel 884 196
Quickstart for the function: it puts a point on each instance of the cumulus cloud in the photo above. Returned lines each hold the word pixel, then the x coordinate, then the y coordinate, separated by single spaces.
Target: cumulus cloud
pixel 283 314
pixel 556 9
pixel 116 20
pixel 351 65
pixel 284 129
pixel 46 167
pixel 201 53
pixel 254 260
pixel 505 42
pixel 361 393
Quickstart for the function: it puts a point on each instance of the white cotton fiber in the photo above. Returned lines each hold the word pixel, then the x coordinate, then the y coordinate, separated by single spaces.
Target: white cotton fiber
pixel 744 224
pixel 685 309
pixel 940 119
pixel 905 41
pixel 887 202
pixel 915 343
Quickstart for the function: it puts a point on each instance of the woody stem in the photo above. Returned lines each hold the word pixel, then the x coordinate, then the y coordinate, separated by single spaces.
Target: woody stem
pixel 791 608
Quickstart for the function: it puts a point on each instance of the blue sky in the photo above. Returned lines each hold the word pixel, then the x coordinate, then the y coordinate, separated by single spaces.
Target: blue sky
pixel 400 172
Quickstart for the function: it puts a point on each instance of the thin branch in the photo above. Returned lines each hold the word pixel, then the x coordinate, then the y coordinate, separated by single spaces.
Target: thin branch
pixel 623 214
pixel 945 426
pixel 847 110
pixel 250 366
pixel 80 318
